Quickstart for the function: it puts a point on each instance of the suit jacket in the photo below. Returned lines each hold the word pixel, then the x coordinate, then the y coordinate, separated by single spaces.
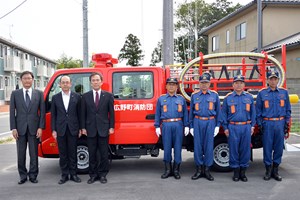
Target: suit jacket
pixel 22 117
pixel 61 118
pixel 99 119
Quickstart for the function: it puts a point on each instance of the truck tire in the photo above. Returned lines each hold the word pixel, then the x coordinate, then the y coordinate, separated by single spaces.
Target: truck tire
pixel 82 156
pixel 221 154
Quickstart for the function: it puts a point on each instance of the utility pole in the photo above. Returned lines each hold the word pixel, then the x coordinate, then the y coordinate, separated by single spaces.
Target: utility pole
pixel 168 38
pixel 259 26
pixel 85 34
pixel 196 31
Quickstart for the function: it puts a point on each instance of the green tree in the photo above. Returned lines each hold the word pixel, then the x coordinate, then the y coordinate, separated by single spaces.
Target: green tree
pixel 156 55
pixel 195 16
pixel 192 17
pixel 131 51
pixel 66 62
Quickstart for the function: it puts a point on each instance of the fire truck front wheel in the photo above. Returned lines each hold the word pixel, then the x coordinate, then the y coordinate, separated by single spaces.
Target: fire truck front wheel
pixel 82 157
pixel 221 154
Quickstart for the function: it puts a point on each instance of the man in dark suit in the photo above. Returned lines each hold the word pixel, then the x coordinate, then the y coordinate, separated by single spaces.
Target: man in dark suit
pixel 98 121
pixel 65 124
pixel 27 119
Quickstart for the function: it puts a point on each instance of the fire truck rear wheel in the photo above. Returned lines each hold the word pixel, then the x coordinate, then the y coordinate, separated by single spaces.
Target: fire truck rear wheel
pixel 221 154
pixel 82 157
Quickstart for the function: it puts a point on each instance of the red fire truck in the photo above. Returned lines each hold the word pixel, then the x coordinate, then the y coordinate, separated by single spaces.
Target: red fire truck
pixel 136 90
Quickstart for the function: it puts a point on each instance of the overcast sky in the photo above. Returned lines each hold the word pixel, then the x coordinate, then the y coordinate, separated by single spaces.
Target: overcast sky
pixel 54 27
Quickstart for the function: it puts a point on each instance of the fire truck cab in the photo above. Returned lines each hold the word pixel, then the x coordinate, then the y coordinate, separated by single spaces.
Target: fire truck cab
pixel 136 90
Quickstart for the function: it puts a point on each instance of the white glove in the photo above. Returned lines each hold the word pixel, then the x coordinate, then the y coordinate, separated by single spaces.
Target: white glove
pixel 216 131
pixel 192 132
pixel 252 130
pixel 186 131
pixel 157 131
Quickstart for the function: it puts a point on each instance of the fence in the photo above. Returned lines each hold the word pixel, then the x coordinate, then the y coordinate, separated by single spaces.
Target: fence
pixel 296 118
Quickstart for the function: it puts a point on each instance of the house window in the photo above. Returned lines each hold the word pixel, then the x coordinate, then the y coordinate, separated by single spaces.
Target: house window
pixel 215 43
pixel 16 53
pixel 6 81
pixel 38 83
pixel 1 83
pixel 1 51
pixel 240 31
pixel 227 37
pixel 7 51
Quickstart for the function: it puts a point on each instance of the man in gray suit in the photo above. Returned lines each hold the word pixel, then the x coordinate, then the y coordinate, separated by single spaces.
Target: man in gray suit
pixel 98 122
pixel 27 119
pixel 65 124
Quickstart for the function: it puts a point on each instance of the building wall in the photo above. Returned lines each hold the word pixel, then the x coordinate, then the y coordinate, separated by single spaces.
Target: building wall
pixel 279 23
pixel 1 81
pixel 246 44
pixel 293 68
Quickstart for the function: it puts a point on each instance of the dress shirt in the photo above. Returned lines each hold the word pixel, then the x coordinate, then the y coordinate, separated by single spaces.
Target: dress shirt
pixel 66 99
pixel 29 93
pixel 94 94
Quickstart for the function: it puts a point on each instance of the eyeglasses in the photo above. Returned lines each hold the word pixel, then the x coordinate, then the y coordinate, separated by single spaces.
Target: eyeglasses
pixel 27 78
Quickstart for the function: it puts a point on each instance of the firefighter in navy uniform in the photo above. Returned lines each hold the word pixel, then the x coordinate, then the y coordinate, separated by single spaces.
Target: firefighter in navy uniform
pixel 273 111
pixel 238 122
pixel 205 120
pixel 172 114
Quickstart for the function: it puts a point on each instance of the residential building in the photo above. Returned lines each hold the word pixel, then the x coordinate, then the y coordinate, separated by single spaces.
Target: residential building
pixel 238 32
pixel 14 59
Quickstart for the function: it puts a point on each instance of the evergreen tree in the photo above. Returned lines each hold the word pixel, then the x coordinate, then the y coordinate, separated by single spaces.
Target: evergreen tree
pixel 131 51
pixel 156 56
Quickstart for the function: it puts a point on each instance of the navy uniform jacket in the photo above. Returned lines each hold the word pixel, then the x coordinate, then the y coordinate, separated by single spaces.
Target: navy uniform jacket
pixel 273 104
pixel 205 105
pixel 238 108
pixel 169 107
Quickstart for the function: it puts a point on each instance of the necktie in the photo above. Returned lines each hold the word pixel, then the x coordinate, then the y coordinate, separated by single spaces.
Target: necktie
pixel 97 99
pixel 27 100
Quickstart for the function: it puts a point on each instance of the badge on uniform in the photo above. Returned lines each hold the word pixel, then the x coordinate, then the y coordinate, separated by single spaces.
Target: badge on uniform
pixel 179 108
pixel 247 100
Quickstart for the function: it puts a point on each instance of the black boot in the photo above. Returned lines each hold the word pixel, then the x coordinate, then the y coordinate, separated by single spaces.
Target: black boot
pixel 199 172
pixel 207 174
pixel 236 174
pixel 168 171
pixel 243 176
pixel 274 173
pixel 176 171
pixel 268 173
